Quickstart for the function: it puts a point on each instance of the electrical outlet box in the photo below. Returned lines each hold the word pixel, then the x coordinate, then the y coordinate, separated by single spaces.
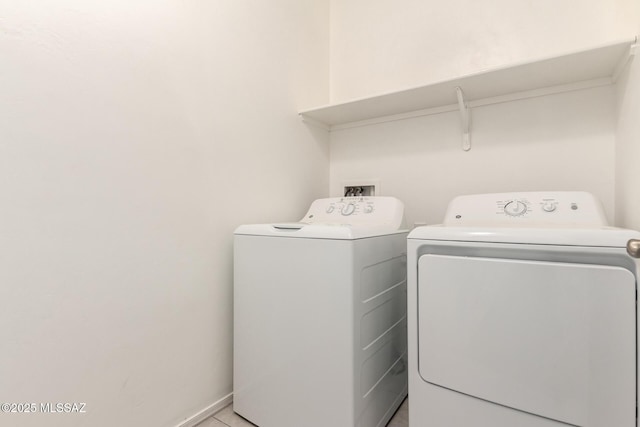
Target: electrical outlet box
pixel 361 188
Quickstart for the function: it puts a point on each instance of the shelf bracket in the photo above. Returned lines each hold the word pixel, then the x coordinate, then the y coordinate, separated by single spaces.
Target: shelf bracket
pixel 466 119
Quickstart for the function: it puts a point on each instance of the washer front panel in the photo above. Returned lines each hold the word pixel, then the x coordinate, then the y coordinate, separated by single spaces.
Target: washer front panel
pixel 553 339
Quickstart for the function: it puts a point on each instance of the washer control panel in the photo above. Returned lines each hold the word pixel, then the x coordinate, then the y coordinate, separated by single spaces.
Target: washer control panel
pixel 557 207
pixel 357 211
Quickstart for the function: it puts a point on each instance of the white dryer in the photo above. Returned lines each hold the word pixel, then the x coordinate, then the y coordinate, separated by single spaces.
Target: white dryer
pixel 320 316
pixel 522 313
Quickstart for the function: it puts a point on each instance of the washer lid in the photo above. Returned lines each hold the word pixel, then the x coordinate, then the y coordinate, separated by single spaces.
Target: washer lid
pixel 340 218
pixel 601 237
pixel 315 231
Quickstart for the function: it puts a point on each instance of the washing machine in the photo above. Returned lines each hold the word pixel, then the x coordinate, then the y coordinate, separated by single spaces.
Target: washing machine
pixel 320 316
pixel 522 313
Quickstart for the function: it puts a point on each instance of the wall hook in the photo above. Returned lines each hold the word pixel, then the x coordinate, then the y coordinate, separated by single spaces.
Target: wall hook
pixel 466 119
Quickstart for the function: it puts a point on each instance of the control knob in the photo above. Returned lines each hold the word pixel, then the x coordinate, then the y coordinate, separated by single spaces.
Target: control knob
pixel 348 209
pixel 515 208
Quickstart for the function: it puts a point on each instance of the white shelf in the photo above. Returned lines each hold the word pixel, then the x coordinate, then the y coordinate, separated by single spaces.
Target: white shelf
pixel 597 66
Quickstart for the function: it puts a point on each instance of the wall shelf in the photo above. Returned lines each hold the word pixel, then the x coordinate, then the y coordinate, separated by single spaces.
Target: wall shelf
pixel 588 68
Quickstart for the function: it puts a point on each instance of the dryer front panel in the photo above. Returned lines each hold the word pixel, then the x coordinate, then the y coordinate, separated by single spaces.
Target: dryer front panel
pixel 548 338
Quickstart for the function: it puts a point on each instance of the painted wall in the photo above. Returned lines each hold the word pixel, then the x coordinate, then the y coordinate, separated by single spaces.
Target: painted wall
pixel 628 146
pixel 134 138
pixel 386 45
pixel 558 142
pixel 563 142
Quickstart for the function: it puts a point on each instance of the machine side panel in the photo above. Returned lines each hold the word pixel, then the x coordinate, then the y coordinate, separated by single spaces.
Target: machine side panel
pixel 380 319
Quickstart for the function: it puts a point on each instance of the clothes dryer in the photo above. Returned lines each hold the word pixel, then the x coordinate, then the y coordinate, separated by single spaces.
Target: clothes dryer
pixel 522 312
pixel 320 316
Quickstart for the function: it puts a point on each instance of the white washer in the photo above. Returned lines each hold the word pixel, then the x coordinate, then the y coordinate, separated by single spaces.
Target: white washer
pixel 522 313
pixel 320 316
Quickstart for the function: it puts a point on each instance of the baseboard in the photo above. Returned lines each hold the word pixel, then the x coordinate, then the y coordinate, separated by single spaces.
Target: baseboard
pixel 207 412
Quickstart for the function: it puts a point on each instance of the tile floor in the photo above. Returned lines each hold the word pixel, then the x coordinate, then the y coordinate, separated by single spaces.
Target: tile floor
pixel 227 418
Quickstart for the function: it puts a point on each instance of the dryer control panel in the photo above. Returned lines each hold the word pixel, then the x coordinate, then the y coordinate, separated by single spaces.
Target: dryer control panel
pixel 562 208
pixel 369 211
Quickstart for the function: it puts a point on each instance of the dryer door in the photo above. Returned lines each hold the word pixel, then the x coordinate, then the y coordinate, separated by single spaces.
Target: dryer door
pixel 552 339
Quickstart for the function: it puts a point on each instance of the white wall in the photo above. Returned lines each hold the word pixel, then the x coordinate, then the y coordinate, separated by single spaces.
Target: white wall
pixel 559 142
pixel 385 45
pixel 134 138
pixel 562 142
pixel 628 146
